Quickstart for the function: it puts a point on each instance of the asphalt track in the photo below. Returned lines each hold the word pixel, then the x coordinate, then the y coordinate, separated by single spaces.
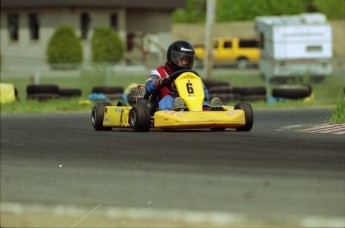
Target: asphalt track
pixel 271 175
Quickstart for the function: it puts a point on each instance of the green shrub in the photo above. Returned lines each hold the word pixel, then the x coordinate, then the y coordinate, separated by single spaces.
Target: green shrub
pixel 338 113
pixel 194 12
pixel 107 46
pixel 64 48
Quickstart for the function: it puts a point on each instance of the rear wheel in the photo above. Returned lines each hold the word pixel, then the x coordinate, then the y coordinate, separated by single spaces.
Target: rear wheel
pixel 249 116
pixel 242 63
pixel 97 116
pixel 140 117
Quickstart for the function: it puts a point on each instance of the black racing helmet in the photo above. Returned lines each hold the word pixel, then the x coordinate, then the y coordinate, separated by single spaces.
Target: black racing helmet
pixel 180 55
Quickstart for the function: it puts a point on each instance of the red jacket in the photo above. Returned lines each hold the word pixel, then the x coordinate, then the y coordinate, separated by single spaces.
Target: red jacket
pixel 164 72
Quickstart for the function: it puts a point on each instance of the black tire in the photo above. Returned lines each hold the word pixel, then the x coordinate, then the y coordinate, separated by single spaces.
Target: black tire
pixel 46 89
pixel 97 116
pixel 114 96
pixel 226 97
pixel 220 89
pixel 249 116
pixel 107 89
pixel 16 94
pixel 254 90
pixel 292 91
pixel 212 83
pixel 42 96
pixel 140 117
pixel 70 92
pixel 253 98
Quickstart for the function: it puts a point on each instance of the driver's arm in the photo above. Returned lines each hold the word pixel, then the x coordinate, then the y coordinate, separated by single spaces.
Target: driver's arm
pixel 150 85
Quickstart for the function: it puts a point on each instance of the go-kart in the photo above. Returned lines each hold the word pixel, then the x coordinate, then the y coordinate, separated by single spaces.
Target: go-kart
pixel 141 113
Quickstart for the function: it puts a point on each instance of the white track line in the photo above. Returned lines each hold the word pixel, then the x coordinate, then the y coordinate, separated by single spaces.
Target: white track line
pixel 325 128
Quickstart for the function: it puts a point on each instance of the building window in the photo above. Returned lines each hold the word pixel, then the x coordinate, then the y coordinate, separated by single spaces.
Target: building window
pixel 85 25
pixel 114 21
pixel 13 26
pixel 34 26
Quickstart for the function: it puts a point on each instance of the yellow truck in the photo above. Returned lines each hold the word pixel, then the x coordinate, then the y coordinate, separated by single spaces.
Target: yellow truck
pixel 242 52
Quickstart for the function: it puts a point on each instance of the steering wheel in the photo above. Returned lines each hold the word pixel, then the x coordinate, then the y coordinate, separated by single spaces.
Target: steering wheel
pixel 176 74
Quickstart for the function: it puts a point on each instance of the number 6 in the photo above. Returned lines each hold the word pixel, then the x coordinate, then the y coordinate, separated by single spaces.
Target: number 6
pixel 190 87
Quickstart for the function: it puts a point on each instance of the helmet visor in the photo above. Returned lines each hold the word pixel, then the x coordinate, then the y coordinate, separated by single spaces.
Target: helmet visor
pixel 182 60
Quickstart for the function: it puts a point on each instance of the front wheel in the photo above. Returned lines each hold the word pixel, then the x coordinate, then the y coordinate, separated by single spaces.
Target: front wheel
pixel 140 117
pixel 249 116
pixel 97 116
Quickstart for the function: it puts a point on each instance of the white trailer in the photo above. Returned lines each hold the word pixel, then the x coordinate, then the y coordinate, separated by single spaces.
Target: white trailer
pixel 299 45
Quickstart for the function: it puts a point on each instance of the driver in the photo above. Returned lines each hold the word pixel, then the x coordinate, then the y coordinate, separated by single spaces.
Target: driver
pixel 180 55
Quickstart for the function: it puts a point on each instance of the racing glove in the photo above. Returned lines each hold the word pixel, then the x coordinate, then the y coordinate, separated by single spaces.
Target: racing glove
pixel 164 82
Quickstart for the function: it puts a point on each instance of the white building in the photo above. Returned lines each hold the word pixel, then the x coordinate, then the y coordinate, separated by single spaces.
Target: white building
pixel 27 25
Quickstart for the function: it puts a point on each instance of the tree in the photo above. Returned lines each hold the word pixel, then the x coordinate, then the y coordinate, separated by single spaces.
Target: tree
pixel 64 48
pixel 195 12
pixel 334 9
pixel 239 10
pixel 107 47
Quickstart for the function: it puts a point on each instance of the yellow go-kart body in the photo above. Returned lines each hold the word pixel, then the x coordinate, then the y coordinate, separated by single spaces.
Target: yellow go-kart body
pixel 190 88
pixel 216 119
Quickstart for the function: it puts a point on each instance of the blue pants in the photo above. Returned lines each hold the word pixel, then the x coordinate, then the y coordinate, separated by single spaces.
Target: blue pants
pixel 167 103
